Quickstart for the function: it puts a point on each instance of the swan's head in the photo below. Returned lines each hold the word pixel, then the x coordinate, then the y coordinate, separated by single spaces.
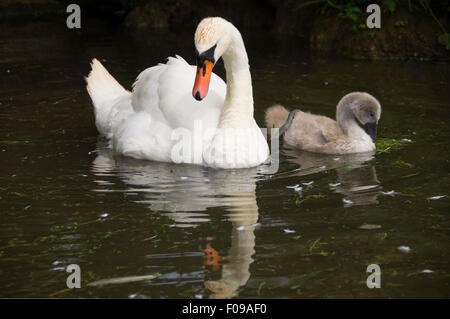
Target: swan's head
pixel 212 38
pixel 365 108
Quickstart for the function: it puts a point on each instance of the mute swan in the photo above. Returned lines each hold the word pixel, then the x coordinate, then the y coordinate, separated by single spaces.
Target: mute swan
pixel 321 134
pixel 160 120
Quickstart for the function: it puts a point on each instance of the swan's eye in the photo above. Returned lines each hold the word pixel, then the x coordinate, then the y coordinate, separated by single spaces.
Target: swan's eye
pixel 372 114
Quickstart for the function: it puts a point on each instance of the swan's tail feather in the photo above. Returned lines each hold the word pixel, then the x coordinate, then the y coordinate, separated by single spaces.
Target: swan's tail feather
pixel 104 90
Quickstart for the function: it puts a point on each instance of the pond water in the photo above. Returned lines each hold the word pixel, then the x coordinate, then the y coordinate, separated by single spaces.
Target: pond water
pixel 308 231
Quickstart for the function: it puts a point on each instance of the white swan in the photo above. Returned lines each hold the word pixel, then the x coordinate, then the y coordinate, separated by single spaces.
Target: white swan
pixel 160 120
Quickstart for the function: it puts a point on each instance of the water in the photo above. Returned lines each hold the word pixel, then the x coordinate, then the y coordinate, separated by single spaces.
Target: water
pixel 309 231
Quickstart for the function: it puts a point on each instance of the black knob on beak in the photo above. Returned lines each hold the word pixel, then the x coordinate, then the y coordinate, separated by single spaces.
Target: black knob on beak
pixel 197 96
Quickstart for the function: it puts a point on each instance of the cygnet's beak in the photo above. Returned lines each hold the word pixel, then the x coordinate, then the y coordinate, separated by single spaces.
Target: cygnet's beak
pixel 371 130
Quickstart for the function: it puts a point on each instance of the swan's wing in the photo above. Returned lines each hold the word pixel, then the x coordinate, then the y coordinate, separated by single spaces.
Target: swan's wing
pixel 140 136
pixel 331 138
pixel 161 102
pixel 119 113
pixel 165 91
pixel 145 89
pixel 331 131
pixel 177 103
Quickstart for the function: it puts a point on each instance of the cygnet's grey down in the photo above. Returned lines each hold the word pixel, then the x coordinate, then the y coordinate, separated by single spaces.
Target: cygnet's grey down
pixel 354 131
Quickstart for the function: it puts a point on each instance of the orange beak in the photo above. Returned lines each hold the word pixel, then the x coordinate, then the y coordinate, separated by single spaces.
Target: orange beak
pixel 202 79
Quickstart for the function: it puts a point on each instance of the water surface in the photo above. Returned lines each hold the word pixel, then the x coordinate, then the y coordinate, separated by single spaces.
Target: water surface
pixel 308 231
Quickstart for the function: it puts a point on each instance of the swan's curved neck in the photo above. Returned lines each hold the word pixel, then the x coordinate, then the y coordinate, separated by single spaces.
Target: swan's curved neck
pixel 237 111
pixel 348 123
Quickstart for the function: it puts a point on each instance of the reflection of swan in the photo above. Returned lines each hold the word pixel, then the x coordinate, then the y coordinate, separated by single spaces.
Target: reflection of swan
pixel 359 185
pixel 184 193
pixel 144 123
pixel 356 175
pixel 320 134
pixel 235 270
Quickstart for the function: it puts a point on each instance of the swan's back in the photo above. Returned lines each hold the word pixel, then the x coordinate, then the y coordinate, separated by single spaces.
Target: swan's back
pixel 313 129
pixel 165 92
pixel 306 128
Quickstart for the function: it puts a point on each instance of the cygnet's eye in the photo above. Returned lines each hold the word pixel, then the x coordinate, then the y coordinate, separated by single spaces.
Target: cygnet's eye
pixel 372 114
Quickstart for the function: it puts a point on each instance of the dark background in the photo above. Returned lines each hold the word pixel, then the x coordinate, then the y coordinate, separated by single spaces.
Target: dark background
pixel 409 29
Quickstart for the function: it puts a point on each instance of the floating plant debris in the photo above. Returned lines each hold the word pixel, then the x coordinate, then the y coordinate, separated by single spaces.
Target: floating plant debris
pixel 387 145
pixel 404 249
pixel 121 280
pixel 334 184
pixel 370 226
pixel 296 188
pixel 347 202
pixel 436 197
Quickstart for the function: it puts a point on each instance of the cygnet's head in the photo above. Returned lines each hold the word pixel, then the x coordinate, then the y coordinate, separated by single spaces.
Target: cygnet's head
pixel 365 108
